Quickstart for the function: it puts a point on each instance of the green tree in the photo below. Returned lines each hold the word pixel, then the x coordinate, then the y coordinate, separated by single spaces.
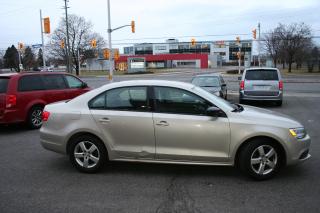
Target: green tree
pixel 28 59
pixel 11 58
pixel 40 58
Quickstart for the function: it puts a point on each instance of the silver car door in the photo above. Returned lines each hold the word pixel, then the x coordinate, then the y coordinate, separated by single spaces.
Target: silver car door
pixel 126 122
pixel 183 132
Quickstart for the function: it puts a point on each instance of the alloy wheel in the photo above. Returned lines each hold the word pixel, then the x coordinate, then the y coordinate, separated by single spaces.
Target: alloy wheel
pixel 264 159
pixel 86 154
pixel 36 117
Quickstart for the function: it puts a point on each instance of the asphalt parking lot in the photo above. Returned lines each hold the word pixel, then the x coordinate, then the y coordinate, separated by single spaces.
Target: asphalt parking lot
pixel 35 180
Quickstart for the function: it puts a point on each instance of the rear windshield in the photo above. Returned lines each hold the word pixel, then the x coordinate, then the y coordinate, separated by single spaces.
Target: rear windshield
pixel 206 81
pixel 3 85
pixel 268 75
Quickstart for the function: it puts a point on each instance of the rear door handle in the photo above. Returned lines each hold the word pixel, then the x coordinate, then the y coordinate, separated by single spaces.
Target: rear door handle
pixel 162 123
pixel 104 120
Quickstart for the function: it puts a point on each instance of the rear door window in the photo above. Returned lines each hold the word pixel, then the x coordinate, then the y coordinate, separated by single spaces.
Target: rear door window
pixel 30 83
pixel 54 82
pixel 127 99
pixel 4 85
pixel 267 75
pixel 73 82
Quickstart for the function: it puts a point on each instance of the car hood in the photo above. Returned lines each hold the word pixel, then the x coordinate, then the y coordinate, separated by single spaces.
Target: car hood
pixel 265 116
pixel 212 89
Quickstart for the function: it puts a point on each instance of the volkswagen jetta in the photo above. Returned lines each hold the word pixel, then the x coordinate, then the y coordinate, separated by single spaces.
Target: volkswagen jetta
pixel 171 122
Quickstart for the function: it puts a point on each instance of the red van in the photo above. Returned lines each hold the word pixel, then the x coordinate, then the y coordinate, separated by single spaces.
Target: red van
pixel 24 95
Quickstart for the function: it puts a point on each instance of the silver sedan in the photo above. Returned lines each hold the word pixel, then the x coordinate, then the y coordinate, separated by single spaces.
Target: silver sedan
pixel 171 122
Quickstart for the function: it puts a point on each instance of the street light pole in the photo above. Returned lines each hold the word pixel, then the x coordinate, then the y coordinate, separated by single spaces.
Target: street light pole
pixel 110 44
pixel 42 39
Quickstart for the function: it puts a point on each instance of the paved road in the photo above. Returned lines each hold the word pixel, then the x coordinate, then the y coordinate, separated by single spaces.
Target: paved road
pixel 35 180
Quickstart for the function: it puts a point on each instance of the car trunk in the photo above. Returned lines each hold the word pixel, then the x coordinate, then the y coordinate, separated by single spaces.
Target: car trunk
pixel 3 92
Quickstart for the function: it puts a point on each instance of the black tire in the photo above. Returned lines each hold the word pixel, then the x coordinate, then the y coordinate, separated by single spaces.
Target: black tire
pixel 34 118
pixel 250 165
pixel 279 103
pixel 99 152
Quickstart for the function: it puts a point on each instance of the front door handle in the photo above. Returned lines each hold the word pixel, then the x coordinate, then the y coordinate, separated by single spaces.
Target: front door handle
pixel 104 120
pixel 162 123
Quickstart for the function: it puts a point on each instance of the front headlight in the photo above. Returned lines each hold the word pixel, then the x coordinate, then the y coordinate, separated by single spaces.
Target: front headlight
pixel 298 133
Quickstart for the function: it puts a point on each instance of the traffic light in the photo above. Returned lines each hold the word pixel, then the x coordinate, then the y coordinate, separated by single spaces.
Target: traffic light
pixel 116 54
pixel 238 55
pixel 133 27
pixel 238 40
pixel 254 33
pixel 46 23
pixel 62 44
pixel 193 42
pixel 20 46
pixel 106 54
pixel 93 43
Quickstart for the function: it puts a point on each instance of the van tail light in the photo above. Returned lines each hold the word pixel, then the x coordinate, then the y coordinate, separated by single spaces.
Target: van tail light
pixel 45 115
pixel 280 85
pixel 242 85
pixel 11 101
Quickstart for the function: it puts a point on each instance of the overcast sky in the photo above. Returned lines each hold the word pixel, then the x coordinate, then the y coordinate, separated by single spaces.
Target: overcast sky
pixel 20 22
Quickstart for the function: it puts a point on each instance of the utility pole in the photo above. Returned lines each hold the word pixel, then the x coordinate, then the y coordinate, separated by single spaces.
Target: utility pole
pixel 110 44
pixel 67 40
pixel 259 58
pixel 42 39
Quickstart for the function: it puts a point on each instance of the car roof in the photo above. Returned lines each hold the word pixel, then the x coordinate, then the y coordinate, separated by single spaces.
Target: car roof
pixel 150 83
pixel 261 68
pixel 29 73
pixel 7 74
pixel 209 75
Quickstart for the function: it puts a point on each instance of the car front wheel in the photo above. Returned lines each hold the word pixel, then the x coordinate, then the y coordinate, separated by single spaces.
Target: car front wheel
pixel 260 159
pixel 87 154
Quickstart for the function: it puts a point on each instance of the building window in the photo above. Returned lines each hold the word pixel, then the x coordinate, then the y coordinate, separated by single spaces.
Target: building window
pixel 161 47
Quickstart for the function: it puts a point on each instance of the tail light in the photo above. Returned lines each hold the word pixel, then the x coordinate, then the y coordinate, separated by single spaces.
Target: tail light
pixel 280 85
pixel 11 101
pixel 45 115
pixel 242 85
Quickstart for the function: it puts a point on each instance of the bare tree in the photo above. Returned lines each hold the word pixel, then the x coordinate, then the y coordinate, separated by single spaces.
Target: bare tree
pixel 294 38
pixel 80 36
pixel 273 45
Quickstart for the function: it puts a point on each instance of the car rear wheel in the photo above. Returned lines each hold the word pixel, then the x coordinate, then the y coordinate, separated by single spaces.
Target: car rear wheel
pixel 87 154
pixel 260 159
pixel 279 103
pixel 34 119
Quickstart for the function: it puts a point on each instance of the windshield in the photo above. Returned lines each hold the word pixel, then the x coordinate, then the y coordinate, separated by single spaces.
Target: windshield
pixel 205 81
pixel 3 85
pixel 267 75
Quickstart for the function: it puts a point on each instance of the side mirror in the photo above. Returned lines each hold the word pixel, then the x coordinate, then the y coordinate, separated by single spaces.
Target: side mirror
pixel 224 85
pixel 84 85
pixel 239 78
pixel 214 112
